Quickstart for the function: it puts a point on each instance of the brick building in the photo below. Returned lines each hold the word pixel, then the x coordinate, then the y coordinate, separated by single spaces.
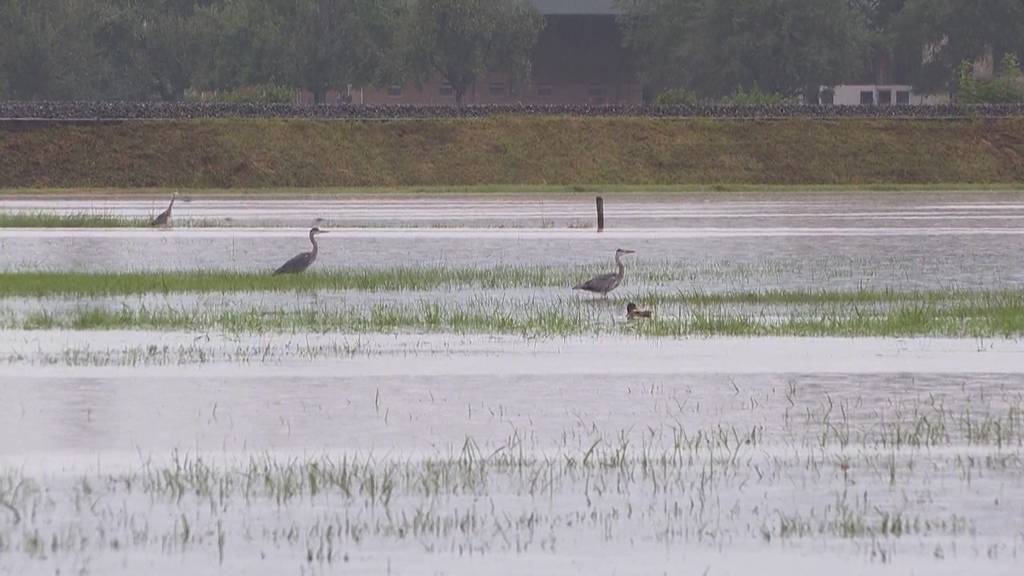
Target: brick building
pixel 579 59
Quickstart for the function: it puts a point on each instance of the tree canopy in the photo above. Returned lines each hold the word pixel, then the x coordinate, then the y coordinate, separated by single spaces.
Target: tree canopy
pixel 950 32
pixel 716 47
pixel 460 40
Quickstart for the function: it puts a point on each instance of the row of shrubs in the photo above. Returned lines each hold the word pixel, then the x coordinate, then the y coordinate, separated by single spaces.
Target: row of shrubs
pixel 256 94
pixel 754 97
pixel 189 110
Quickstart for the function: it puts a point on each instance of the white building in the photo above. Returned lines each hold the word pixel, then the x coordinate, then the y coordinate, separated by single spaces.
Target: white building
pixel 879 95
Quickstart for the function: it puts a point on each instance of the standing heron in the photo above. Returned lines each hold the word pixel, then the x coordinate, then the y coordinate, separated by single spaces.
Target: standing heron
pixel 605 283
pixel 164 218
pixel 302 261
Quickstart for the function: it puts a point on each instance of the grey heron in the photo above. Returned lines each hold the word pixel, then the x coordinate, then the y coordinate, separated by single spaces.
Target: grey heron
pixel 164 218
pixel 302 261
pixel 633 312
pixel 605 283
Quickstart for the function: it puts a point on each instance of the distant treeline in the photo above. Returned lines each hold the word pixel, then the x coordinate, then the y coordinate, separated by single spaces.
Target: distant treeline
pixel 264 50
pixel 712 48
pixel 170 49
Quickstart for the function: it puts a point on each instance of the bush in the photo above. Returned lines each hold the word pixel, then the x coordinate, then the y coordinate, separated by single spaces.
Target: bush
pixel 676 97
pixel 1004 88
pixel 257 94
pixel 755 97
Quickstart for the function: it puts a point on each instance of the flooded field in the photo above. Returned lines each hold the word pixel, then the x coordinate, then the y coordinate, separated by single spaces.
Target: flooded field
pixel 439 401
pixel 876 240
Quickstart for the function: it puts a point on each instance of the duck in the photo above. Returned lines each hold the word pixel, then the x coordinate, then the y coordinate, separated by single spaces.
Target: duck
pixel 633 312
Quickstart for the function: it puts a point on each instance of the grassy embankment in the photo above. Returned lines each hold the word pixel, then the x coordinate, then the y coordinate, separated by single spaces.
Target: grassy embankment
pixel 546 152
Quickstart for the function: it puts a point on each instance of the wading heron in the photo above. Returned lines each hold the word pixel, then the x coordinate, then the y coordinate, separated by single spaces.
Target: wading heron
pixel 164 218
pixel 302 261
pixel 605 283
pixel 633 312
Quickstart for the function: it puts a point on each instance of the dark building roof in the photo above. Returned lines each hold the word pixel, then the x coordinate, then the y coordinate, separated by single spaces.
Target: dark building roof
pixel 576 7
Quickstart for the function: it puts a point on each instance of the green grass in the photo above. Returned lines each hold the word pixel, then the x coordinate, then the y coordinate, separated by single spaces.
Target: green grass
pixel 516 189
pixel 80 220
pixel 87 220
pixel 41 284
pixel 555 311
pixel 533 151
pixel 422 279
pixel 983 314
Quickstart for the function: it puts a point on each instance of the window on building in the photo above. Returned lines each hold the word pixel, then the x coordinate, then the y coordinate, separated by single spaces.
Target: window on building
pixel 903 97
pixel 885 97
pixel 867 98
pixel 394 90
pixel 446 89
pixel 544 90
pixel 496 89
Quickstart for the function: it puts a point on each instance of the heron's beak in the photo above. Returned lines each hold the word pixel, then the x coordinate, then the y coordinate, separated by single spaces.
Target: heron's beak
pixel 629 251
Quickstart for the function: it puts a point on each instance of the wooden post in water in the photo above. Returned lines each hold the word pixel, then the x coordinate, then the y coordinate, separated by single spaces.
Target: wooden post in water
pixel 600 214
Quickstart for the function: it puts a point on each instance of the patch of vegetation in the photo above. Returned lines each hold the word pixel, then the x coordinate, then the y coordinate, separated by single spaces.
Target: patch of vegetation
pixel 80 220
pixel 956 314
pixel 754 97
pixel 254 94
pixel 42 284
pixel 677 97
pixel 1007 87
pixel 91 220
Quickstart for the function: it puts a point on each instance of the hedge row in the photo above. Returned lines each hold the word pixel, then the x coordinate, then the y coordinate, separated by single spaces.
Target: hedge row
pixel 179 111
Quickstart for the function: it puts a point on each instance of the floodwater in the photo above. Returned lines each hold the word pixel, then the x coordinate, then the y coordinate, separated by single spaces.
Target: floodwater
pixel 875 240
pixel 413 394
pixel 852 456
pixel 306 453
pixel 731 210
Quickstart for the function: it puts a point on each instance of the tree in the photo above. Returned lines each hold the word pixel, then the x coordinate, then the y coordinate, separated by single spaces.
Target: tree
pixel 715 47
pixel 47 51
pixel 1005 87
pixel 891 59
pixel 948 32
pixel 333 43
pixel 154 45
pixel 313 44
pixel 461 40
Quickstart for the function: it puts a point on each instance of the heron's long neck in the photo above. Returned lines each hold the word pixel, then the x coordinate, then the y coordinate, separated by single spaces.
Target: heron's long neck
pixel 173 198
pixel 622 269
pixel 312 238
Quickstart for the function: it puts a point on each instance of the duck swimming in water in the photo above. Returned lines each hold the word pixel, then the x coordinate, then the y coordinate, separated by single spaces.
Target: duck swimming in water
pixel 633 312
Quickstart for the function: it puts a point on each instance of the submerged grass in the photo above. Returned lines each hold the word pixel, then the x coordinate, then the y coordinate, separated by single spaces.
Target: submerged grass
pixel 556 312
pixel 958 315
pixel 78 220
pixel 41 284
pixel 416 278
pixel 94 220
